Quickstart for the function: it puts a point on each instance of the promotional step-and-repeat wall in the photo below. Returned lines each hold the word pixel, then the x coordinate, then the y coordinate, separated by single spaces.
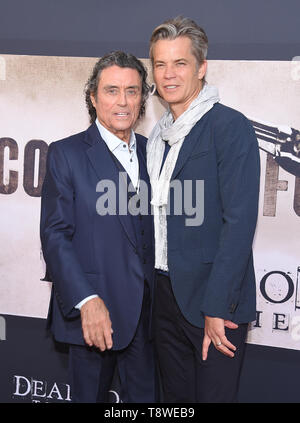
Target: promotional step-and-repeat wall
pixel 42 100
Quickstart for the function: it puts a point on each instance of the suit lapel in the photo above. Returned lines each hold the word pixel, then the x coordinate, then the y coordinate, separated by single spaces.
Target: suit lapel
pixel 99 156
pixel 186 150
pixel 105 168
pixel 142 164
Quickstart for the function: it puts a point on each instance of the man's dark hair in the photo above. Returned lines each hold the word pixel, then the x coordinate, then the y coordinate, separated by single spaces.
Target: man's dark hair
pixel 123 60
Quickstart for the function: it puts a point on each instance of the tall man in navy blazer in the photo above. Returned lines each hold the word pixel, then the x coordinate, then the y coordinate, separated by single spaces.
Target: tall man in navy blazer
pixel 205 285
pixel 101 259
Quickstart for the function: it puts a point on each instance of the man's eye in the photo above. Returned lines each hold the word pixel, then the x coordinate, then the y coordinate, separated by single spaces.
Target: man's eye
pixel 131 92
pixel 181 63
pixel 112 91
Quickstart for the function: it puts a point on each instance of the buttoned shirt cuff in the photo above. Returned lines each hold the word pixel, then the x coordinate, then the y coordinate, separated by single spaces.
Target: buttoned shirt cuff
pixel 85 300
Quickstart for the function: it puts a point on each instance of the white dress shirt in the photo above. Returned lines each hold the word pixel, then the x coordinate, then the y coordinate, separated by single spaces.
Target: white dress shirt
pixel 125 153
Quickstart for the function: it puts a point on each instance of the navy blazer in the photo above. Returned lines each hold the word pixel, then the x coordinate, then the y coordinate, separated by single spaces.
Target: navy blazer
pixel 87 253
pixel 211 265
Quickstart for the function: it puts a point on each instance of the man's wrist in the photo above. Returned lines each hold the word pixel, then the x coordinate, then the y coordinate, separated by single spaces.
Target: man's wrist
pixel 85 300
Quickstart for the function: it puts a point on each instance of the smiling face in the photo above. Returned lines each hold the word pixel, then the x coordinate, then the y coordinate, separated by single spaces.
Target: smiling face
pixel 118 100
pixel 176 73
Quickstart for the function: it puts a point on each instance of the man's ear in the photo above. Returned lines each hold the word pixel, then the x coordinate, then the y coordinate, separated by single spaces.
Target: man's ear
pixel 202 70
pixel 93 100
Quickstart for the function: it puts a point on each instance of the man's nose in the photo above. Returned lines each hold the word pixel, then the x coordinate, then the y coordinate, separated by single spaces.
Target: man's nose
pixel 170 72
pixel 122 100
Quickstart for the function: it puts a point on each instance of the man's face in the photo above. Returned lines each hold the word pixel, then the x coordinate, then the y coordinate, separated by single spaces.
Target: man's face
pixel 176 73
pixel 118 100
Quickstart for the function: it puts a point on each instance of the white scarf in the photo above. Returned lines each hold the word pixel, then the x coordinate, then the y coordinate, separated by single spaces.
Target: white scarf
pixel 166 130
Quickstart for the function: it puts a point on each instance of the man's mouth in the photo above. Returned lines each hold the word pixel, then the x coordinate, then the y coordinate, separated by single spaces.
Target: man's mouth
pixel 170 87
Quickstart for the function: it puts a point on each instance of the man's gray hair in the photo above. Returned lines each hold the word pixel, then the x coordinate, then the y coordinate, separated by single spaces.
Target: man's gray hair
pixel 182 27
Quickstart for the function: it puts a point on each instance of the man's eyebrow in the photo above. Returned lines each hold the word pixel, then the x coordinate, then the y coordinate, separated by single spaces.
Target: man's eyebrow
pixel 133 86
pixel 176 60
pixel 107 87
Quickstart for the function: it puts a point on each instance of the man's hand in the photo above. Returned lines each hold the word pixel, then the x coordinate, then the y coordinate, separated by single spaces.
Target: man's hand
pixel 96 324
pixel 214 332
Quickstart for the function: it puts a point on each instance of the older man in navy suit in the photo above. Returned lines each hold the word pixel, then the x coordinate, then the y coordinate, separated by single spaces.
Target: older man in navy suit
pixel 99 256
pixel 203 159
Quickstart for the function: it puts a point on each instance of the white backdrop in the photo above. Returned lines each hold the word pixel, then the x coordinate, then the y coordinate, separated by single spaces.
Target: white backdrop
pixel 41 98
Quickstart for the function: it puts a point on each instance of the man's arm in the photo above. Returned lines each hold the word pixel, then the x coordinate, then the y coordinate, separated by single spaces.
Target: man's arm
pixel 239 172
pixel 57 229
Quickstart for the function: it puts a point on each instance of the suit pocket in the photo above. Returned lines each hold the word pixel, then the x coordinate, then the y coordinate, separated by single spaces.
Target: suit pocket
pixel 204 255
pixel 208 254
pixel 199 154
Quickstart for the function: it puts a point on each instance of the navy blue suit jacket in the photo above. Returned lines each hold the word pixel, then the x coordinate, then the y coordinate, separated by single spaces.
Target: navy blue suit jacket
pixel 87 253
pixel 211 265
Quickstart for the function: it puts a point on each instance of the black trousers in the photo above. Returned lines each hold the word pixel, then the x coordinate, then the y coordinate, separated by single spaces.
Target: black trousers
pixel 185 377
pixel 91 371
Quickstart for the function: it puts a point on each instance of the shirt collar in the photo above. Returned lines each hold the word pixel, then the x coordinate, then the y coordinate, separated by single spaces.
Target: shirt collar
pixel 112 141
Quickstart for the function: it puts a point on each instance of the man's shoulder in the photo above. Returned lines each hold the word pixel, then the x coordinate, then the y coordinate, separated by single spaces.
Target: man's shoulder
pixel 230 127
pixel 221 114
pixel 227 122
pixel 69 143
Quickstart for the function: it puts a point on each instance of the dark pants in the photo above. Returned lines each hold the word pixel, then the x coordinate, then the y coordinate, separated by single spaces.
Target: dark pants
pixel 91 371
pixel 185 377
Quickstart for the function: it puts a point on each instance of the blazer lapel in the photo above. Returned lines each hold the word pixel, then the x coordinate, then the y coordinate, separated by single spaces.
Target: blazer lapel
pixel 105 168
pixel 186 150
pixel 142 165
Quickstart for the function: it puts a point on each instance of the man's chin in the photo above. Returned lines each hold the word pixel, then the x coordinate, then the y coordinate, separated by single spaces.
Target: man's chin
pixel 121 131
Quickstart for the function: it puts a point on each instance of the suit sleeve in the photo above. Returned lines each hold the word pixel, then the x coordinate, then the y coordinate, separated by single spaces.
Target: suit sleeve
pixel 239 177
pixel 56 229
